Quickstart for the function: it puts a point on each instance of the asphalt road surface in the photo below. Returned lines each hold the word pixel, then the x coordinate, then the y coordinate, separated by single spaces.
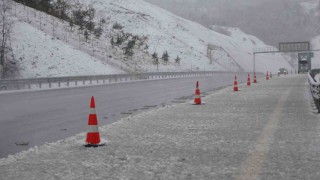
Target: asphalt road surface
pixel 30 119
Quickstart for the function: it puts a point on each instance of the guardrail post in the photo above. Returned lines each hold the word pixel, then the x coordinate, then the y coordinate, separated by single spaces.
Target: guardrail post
pixel 40 85
pixel 104 81
pixel 83 82
pixel 90 81
pixel 59 84
pixel 97 81
pixel 76 82
pixel 49 84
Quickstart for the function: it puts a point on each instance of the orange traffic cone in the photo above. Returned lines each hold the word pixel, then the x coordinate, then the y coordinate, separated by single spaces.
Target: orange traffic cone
pixel 197 99
pixel 235 87
pixel 255 78
pixel 267 76
pixel 248 81
pixel 93 135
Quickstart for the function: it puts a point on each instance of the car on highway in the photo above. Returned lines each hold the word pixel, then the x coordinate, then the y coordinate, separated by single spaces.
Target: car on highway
pixel 283 71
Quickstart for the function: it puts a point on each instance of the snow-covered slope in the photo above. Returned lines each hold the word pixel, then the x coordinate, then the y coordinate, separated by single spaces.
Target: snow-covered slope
pixel 40 55
pixel 239 46
pixel 178 36
pixel 161 31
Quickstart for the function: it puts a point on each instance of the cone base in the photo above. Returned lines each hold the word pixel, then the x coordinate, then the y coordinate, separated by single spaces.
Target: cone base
pixel 95 145
pixel 197 104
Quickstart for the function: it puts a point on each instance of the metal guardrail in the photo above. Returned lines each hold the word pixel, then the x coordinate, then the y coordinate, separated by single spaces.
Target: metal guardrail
pixel 315 90
pixel 17 84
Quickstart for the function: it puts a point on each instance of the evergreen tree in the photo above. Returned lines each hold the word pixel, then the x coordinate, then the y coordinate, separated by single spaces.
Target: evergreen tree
pixel 155 59
pixel 128 50
pixel 165 57
pixel 177 60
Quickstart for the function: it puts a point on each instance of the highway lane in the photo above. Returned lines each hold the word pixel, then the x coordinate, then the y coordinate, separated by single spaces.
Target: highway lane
pixel 30 119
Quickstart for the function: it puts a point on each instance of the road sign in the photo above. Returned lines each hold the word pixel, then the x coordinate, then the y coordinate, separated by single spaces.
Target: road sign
pixel 305 56
pixel 304 63
pixel 294 46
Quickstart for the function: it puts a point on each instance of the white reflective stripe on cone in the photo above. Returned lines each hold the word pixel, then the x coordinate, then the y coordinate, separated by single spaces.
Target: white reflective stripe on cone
pixel 92 110
pixel 93 128
pixel 197 96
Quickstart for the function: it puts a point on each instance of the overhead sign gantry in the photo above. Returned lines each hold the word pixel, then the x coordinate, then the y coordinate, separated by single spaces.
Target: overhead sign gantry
pixel 303 48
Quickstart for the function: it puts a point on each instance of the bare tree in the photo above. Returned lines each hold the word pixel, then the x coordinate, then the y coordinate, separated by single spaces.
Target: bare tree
pixel 5 25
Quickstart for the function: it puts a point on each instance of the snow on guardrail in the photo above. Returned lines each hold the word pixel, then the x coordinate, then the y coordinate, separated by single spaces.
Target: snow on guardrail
pixel 315 90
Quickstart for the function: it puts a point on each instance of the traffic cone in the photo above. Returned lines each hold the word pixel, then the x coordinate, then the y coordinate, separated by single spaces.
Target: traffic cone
pixel 267 76
pixel 197 99
pixel 235 87
pixel 93 135
pixel 248 81
pixel 255 78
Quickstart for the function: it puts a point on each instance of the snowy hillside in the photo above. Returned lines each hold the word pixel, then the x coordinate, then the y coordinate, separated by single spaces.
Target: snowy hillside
pixel 40 55
pixel 158 29
pixel 240 47
pixel 178 36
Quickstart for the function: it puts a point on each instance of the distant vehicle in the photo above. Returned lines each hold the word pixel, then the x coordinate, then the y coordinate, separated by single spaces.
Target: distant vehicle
pixel 283 71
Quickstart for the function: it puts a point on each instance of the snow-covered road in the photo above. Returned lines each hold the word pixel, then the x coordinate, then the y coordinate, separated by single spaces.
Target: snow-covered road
pixel 268 131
